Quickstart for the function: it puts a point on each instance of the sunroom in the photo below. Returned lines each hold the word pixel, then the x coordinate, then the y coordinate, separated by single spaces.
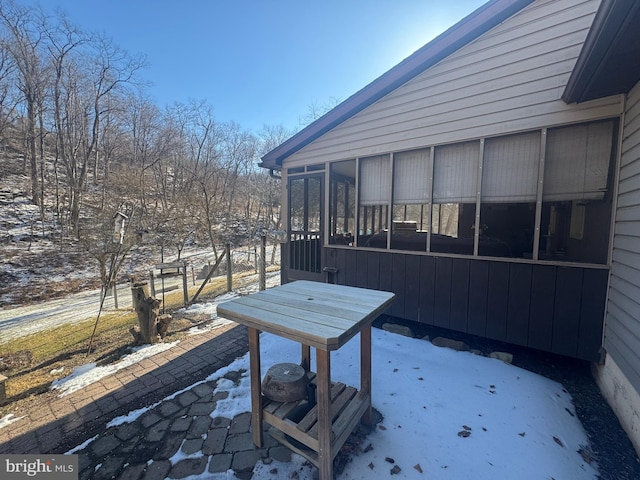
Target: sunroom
pixel 461 181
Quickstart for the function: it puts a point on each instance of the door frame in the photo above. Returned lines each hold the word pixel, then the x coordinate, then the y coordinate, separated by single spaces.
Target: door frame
pixel 304 258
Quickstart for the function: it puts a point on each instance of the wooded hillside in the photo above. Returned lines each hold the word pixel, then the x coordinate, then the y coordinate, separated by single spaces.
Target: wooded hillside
pixel 94 148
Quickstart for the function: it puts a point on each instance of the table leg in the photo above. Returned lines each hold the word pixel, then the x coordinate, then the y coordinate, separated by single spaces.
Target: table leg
pixel 365 369
pixel 323 376
pixel 306 358
pixel 256 387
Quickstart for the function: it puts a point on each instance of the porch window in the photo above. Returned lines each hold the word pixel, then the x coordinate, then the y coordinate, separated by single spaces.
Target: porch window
pixel 509 190
pixel 576 202
pixel 342 203
pixel 375 195
pixel 411 192
pixel 555 181
pixel 455 170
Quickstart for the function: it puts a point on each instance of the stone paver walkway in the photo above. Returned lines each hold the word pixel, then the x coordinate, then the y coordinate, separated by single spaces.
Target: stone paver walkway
pixel 175 439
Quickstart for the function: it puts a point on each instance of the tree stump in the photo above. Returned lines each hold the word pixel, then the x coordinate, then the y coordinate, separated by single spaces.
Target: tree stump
pixel 285 382
pixel 163 324
pixel 151 327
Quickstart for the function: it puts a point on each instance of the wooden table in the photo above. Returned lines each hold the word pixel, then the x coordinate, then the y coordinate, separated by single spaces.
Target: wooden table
pixel 323 316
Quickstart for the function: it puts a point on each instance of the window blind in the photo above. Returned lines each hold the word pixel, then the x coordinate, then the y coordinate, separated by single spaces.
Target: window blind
pixel 375 180
pixel 410 177
pixel 455 168
pixel 510 168
pixel 577 162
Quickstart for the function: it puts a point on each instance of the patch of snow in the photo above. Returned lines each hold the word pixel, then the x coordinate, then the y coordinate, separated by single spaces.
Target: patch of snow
pixel 238 399
pixel 297 468
pixel 83 445
pixel 180 455
pixel 228 475
pixel 217 323
pixel 8 420
pixel 85 375
pixel 132 416
pixel 447 415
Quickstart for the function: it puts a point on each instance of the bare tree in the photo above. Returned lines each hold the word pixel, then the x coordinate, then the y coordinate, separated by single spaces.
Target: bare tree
pixel 23 40
pixel 99 241
pixel 8 97
pixel 88 91
pixel 148 144
pixel 315 111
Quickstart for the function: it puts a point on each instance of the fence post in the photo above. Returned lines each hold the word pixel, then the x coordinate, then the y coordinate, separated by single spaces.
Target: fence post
pixel 115 295
pixel 263 262
pixel 229 269
pixel 152 284
pixel 185 286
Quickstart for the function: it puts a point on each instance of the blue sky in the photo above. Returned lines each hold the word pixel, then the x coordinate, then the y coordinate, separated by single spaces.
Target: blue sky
pixel 264 62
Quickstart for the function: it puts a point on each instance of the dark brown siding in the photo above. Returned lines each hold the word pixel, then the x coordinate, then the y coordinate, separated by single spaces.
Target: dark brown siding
pixel 559 309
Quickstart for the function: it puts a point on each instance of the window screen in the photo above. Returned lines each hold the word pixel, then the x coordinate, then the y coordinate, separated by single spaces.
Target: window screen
pixel 577 162
pixel 455 168
pixel 375 180
pixel 510 168
pixel 411 176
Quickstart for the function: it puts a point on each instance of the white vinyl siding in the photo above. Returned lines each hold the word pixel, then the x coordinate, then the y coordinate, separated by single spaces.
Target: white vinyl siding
pixel 508 80
pixel 622 327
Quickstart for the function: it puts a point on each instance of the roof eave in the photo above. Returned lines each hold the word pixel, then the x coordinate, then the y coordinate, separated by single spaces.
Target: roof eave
pixel 466 30
pixel 613 20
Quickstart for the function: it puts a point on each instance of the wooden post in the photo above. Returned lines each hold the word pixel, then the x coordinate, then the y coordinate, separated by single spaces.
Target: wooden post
pixel 365 369
pixel 256 386
pixel 115 295
pixel 185 287
pixel 255 260
pixel 3 391
pixel 263 263
pixel 305 361
pixel 323 382
pixel 152 283
pixel 229 268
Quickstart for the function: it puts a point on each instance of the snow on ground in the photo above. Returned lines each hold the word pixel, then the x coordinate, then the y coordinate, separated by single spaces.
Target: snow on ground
pixel 85 375
pixel 8 420
pixel 447 415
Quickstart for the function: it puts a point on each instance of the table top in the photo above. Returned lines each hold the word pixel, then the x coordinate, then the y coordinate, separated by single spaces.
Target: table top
pixel 321 315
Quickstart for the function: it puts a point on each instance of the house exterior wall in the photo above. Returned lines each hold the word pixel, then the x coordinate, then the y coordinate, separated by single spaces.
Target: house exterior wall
pixel 509 79
pixel 552 308
pixel 619 378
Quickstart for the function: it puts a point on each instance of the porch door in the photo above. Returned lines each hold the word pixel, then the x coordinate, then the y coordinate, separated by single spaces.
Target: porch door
pixel 306 214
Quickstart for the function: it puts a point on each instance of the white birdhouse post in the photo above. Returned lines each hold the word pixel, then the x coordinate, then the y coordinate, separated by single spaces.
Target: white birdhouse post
pixel 120 221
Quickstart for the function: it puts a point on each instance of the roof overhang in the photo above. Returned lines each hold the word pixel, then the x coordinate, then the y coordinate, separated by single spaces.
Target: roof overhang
pixel 466 30
pixel 609 63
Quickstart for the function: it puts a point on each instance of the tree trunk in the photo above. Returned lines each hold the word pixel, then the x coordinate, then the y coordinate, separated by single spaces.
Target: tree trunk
pixel 148 330
pixel 33 159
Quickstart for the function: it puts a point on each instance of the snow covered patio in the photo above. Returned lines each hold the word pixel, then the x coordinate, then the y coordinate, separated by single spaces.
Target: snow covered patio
pixel 446 415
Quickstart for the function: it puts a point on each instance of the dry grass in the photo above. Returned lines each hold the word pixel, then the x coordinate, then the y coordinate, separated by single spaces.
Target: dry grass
pixel 32 362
